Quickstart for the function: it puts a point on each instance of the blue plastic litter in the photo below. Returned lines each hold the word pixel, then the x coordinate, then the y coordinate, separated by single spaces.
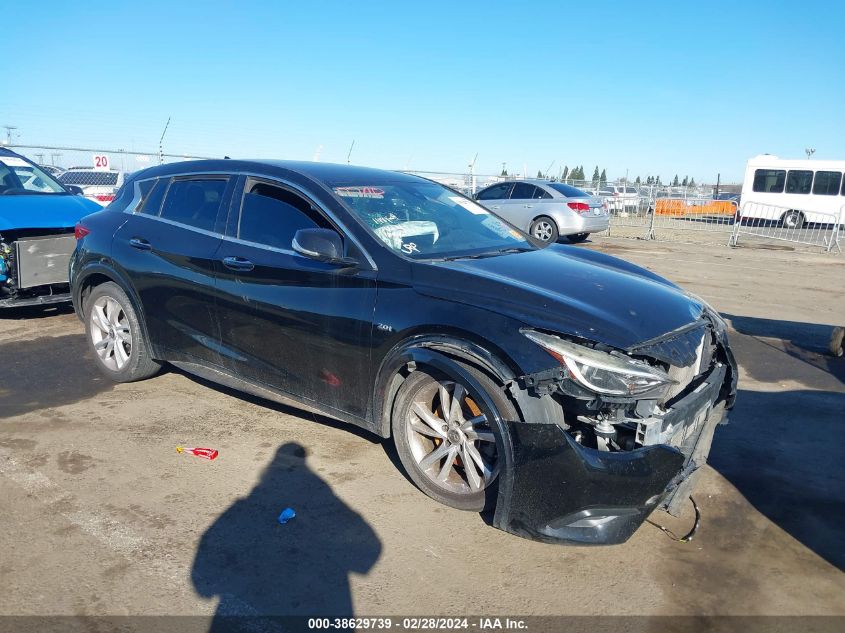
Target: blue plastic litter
pixel 286 515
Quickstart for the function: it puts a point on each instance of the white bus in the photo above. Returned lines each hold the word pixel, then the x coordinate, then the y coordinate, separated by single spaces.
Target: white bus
pixel 794 192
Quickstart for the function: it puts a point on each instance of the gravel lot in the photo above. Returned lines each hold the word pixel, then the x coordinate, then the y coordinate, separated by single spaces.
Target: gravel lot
pixel 101 516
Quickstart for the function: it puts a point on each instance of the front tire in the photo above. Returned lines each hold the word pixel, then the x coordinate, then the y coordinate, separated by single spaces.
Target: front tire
pixel 446 442
pixel 544 229
pixel 116 337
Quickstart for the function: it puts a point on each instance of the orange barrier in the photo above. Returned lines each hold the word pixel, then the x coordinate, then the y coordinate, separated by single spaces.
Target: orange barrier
pixel 694 207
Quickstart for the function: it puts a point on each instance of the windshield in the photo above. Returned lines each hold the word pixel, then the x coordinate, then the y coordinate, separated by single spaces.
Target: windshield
pixel 424 220
pixel 20 177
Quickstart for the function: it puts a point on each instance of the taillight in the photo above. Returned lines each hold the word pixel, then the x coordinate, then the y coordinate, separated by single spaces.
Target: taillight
pixel 80 231
pixel 104 197
pixel 580 207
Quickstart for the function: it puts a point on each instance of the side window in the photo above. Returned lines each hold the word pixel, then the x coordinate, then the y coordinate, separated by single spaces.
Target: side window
pixel 151 203
pixel 769 180
pixel 827 183
pixel 541 194
pixel 799 181
pixel 272 215
pixel 496 192
pixel 194 201
pixel 522 191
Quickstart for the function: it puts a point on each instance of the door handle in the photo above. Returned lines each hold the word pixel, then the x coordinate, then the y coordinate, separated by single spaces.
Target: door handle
pixel 140 243
pixel 529 206
pixel 238 264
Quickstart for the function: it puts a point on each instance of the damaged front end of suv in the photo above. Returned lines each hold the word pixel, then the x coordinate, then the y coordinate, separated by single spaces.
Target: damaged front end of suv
pixel 634 429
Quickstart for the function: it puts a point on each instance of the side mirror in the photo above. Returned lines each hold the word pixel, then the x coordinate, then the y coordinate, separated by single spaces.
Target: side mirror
pixel 323 245
pixel 73 190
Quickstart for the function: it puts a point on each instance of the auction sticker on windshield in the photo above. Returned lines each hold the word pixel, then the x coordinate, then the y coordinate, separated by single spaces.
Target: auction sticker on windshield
pixel 360 192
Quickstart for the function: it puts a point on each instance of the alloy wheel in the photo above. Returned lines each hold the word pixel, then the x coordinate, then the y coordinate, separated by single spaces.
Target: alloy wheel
pixel 543 231
pixel 451 440
pixel 110 333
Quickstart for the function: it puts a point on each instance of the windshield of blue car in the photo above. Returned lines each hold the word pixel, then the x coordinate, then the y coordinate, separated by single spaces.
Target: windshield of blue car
pixel 18 177
pixel 424 220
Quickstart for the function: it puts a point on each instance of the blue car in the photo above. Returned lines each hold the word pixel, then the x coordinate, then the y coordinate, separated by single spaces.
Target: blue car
pixel 37 220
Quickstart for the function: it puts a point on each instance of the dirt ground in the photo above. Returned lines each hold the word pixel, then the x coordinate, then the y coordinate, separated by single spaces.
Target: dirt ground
pixel 101 516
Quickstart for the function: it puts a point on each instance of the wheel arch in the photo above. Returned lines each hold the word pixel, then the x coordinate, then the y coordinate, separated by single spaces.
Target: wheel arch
pixel 443 351
pixel 95 275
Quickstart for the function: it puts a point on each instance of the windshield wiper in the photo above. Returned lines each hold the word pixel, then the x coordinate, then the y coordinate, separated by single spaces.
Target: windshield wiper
pixel 515 249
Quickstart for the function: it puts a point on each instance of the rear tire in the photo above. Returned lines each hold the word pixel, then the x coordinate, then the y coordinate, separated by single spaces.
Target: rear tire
pixel 793 219
pixel 436 459
pixel 544 229
pixel 577 237
pixel 115 335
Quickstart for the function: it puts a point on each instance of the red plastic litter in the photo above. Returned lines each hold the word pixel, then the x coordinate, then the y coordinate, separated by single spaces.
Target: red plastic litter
pixel 205 453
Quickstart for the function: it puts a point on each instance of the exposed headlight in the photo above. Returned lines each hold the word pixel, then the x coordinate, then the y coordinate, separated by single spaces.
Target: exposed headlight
pixel 601 372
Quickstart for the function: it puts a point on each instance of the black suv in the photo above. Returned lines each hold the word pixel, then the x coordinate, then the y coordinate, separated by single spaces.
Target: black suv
pixel 572 392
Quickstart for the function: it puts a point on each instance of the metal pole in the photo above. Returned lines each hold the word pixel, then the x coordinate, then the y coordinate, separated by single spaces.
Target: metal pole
pixel 161 143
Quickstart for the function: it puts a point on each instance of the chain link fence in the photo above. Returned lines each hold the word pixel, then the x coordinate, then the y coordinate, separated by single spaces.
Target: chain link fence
pixel 656 212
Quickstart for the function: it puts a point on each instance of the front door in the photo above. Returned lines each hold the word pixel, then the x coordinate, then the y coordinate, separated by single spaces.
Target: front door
pixel 298 325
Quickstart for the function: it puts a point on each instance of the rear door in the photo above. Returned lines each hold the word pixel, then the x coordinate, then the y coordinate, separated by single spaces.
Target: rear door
pixel 167 248
pixel 298 325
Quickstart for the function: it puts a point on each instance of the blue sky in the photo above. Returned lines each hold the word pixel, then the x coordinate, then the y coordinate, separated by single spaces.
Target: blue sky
pixel 653 88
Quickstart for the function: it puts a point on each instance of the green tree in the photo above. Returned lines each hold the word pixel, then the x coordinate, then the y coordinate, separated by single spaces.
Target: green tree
pixel 596 176
pixel 675 181
pixel 657 180
pixel 504 172
pixel 539 174
pixel 603 178
pixel 638 181
pixel 685 182
pixel 565 173
pixel 692 182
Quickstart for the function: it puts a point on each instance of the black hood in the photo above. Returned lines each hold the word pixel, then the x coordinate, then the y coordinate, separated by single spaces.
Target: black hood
pixel 565 289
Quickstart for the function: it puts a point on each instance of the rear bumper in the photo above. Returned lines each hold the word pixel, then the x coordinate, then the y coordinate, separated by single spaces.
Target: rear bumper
pixel 589 224
pixel 560 491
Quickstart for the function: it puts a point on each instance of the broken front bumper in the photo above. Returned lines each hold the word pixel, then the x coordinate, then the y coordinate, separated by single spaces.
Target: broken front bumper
pixel 558 490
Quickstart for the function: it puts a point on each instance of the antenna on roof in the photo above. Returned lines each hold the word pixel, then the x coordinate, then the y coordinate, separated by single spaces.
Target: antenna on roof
pixel 350 151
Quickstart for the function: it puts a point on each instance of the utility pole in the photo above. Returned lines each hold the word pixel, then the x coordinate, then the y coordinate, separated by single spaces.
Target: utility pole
pixel 53 157
pixel 40 158
pixel 161 143
pixel 9 129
